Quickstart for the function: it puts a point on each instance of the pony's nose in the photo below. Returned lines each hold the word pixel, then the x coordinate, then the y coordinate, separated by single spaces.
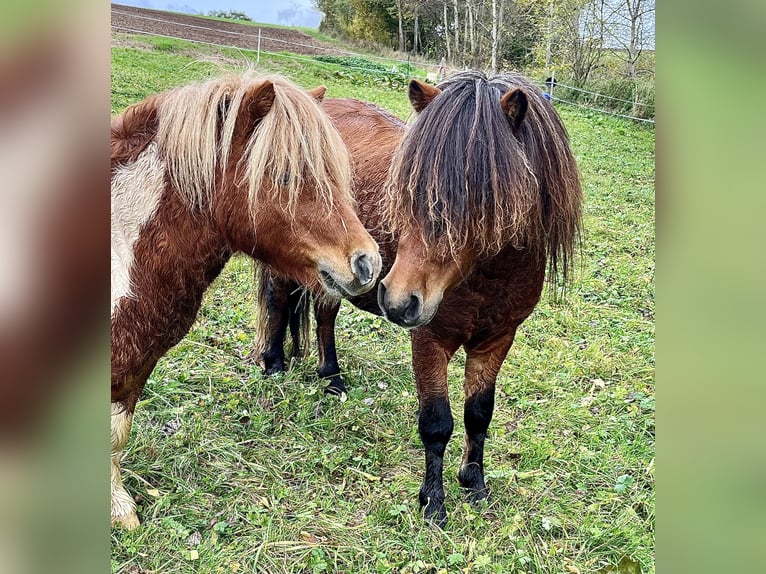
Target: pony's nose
pixel 362 267
pixel 413 309
pixel 406 312
pixel 382 297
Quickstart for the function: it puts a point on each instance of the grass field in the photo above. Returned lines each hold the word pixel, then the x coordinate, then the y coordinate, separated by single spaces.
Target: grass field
pixel 234 472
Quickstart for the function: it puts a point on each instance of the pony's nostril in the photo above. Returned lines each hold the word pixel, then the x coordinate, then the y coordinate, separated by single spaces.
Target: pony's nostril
pixel 362 267
pixel 382 297
pixel 414 308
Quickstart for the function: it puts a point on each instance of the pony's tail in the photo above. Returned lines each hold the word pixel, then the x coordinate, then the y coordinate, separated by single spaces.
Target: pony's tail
pixel 299 314
pixel 261 277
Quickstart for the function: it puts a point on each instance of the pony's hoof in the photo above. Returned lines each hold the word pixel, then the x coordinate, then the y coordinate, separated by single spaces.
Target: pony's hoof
pixel 126 521
pixel 336 387
pixel 276 369
pixel 471 478
pixel 436 515
pixel 479 496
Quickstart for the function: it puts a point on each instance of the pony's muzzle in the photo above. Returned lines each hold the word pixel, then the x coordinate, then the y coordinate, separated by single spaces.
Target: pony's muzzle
pixel 364 269
pixel 406 311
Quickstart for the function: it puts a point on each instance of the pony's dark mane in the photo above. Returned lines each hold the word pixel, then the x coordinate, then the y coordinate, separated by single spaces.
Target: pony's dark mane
pixel 470 181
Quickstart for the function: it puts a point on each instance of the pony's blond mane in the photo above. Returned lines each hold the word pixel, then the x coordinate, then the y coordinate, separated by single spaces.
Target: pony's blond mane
pixel 292 148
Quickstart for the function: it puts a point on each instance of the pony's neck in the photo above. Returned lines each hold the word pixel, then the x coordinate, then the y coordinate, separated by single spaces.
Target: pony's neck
pixel 179 255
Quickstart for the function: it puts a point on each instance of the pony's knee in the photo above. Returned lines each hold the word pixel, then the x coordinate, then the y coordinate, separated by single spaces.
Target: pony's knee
pixel 122 420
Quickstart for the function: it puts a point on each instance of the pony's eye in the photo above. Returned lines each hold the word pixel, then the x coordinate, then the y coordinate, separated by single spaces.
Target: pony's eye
pixel 285 179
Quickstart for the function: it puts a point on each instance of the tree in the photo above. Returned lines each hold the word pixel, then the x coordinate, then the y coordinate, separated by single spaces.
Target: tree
pixel 631 15
pixel 576 35
pixel 447 33
pixel 399 14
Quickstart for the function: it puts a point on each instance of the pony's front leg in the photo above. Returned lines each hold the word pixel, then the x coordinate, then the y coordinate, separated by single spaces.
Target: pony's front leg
pixel 325 313
pixel 435 424
pixel 123 505
pixel 483 363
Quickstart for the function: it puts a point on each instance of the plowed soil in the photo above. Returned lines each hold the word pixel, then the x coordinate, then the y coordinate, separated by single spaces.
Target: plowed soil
pixel 132 20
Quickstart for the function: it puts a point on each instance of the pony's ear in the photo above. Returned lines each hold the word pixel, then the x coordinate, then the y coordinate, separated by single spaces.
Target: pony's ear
pixel 259 101
pixel 318 93
pixel 255 104
pixel 421 94
pixel 514 105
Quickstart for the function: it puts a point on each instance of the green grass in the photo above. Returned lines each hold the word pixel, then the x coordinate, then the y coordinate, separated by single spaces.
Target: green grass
pixel 269 475
pixel 161 63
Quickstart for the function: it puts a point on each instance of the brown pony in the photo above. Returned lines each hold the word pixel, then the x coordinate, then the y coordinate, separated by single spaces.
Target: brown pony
pixel 482 197
pixel 239 163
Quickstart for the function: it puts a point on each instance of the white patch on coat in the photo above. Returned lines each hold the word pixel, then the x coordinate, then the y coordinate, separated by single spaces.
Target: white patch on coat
pixel 136 192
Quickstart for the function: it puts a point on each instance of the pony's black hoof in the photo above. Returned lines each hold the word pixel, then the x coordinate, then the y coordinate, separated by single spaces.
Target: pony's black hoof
pixel 433 508
pixel 275 370
pixel 471 478
pixel 436 514
pixel 335 388
pixel 479 496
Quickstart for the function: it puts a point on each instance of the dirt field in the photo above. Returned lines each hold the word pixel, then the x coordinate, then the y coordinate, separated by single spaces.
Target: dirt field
pixel 133 20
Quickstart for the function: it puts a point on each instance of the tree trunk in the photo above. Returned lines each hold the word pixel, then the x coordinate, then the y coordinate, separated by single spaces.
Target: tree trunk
pixel 634 12
pixel 401 29
pixel 446 33
pixel 548 38
pixel 493 57
pixel 472 32
pixel 457 29
pixel 465 37
pixel 416 33
pixel 497 21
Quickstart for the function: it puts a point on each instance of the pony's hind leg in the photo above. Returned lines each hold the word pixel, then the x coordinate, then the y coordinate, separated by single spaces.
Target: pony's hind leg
pixel 482 366
pixel 274 315
pixel 123 505
pixel 429 360
pixel 325 313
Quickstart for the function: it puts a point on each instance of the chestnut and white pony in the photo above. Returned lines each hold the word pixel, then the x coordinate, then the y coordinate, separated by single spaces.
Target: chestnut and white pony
pixel 236 164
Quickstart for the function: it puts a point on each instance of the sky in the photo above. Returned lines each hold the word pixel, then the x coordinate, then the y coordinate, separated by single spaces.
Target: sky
pixel 285 12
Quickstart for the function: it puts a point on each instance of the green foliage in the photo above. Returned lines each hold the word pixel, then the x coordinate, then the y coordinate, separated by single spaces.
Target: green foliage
pixel 269 475
pixel 230 15
pixel 361 71
pixel 352 62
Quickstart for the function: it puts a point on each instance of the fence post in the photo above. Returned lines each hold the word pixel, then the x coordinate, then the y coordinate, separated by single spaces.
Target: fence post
pixel 258 56
pixel 553 82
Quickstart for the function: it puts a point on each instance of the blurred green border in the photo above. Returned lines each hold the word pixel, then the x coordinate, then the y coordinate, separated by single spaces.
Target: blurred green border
pixel 710 456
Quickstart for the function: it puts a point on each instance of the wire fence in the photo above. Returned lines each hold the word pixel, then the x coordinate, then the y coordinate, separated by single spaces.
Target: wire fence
pixel 394 72
pixel 596 96
pixel 602 96
pixel 260 35
pixel 260 52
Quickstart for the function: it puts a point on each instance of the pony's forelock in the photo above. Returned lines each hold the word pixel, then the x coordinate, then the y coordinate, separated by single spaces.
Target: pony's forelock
pixel 302 149
pixel 464 180
pixel 292 148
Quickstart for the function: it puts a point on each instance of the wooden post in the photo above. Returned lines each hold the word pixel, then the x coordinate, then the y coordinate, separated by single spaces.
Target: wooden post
pixel 553 82
pixel 258 56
